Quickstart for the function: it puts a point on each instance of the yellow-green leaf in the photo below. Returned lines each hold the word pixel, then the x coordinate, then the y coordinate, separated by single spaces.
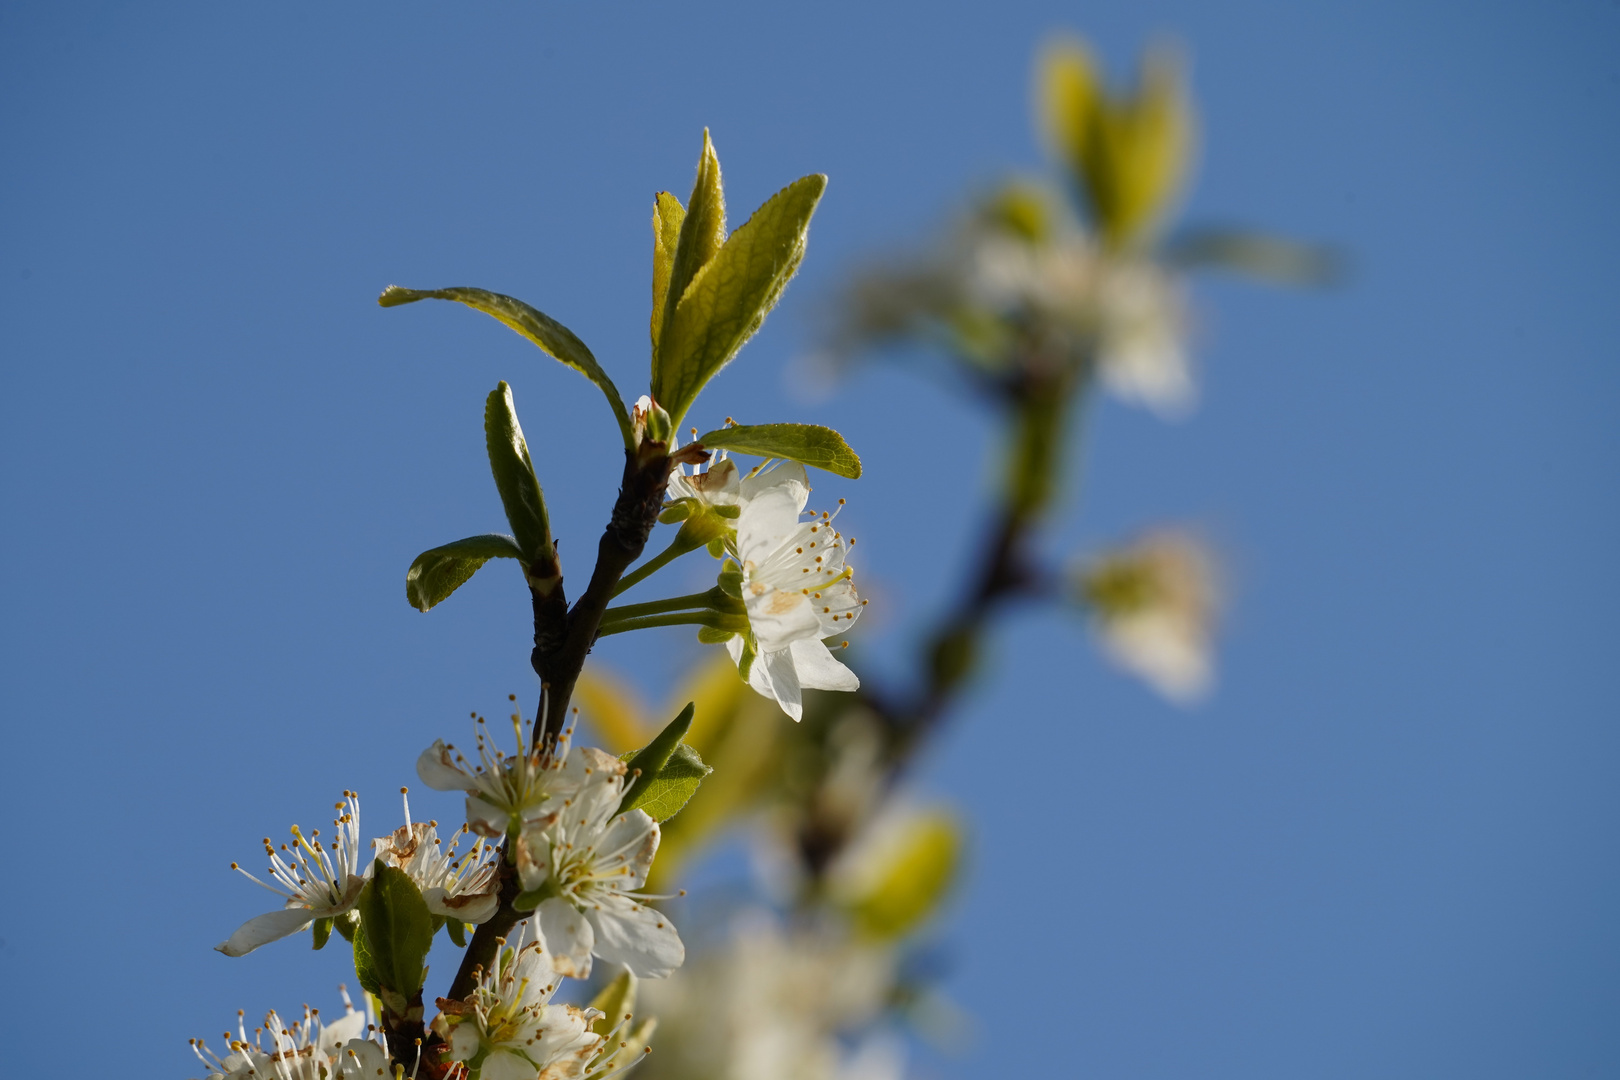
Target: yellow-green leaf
pixel 730 296
pixel 553 337
pixel 668 214
pixel 702 233
pixel 1069 97
pixel 513 470
pixel 916 869
pixel 442 570
pixel 811 444
pixel 616 1002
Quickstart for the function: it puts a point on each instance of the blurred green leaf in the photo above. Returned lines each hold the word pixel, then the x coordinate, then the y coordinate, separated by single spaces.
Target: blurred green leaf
pixel 398 931
pixel 731 294
pixel 553 337
pixel 440 571
pixel 1268 258
pixel 509 461
pixel 615 1001
pixel 668 214
pixel 811 444
pixel 916 873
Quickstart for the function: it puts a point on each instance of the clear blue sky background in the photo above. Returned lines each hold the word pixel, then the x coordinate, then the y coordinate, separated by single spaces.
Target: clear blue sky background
pixel 1387 847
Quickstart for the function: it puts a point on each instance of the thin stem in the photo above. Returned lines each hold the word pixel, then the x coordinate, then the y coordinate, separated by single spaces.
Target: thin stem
pixel 707 617
pixel 658 607
pixel 675 550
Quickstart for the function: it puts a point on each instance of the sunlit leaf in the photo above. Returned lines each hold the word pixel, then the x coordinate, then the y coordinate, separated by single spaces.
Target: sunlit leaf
pixel 513 470
pixel 398 930
pixel 666 772
pixel 552 336
pixel 668 214
pixel 731 294
pixel 442 570
pixel 915 869
pixel 811 444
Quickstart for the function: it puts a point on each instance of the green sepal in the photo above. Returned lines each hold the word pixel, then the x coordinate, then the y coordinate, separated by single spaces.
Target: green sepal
pixel 713 635
pixel 440 571
pixel 513 470
pixel 679 510
pixel 320 932
pixel 665 772
pixel 457 931
pixel 729 512
pixel 811 444
pixel 346 924
pixel 398 931
pixel 731 294
pixel 730 580
pixel 553 337
pixel 717 548
pixel 703 528
pixel 750 652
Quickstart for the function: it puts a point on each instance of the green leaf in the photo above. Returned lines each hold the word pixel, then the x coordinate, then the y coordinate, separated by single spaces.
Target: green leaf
pixel 398 931
pixel 915 876
pixel 702 232
pixel 674 785
pixel 438 572
pixel 670 771
pixel 553 337
pixel 320 932
pixel 615 1001
pixel 811 444
pixel 363 969
pixel 731 294
pixel 514 476
pixel 668 214
pixel 1268 258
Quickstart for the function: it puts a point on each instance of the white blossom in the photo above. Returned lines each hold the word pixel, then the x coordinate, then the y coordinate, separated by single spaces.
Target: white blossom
pixel 1141 346
pixel 503 791
pixel 317 882
pixel 797 590
pixel 306 1049
pixel 507 1029
pixel 1153 607
pixel 591 860
pixel 455 885
pixel 779 1003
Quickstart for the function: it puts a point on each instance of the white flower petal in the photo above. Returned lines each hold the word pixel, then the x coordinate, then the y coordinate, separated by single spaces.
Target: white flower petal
pixel 636 835
pixel 473 908
pixel 362 1059
pixel 779 617
pixel 639 937
pixel 818 669
pixel 264 929
pixel 776 671
pixel 486 819
pixel 569 937
pixel 507 1065
pixel 438 770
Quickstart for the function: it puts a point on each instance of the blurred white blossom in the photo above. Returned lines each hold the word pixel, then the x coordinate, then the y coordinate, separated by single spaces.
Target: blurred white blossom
pixel 1153 605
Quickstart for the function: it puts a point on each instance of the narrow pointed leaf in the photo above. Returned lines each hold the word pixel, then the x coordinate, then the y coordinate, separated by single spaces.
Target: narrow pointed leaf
pixel 811 444
pixel 731 295
pixel 670 772
pixel 442 570
pixel 674 785
pixel 553 337
pixel 668 214
pixel 702 233
pixel 514 475
pixel 1267 258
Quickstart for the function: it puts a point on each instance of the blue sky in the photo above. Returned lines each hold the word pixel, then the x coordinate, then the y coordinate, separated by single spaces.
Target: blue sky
pixel 1385 847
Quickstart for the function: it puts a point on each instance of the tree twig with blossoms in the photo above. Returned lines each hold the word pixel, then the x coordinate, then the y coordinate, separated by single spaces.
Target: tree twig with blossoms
pixel 561 838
